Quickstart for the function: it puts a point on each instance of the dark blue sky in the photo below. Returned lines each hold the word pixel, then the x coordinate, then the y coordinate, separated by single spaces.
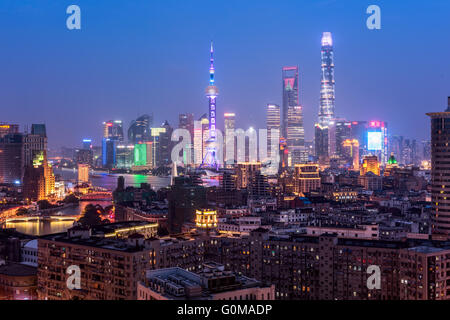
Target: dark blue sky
pixel 139 56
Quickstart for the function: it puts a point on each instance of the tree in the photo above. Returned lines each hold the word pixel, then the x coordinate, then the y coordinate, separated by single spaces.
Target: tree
pixel 71 198
pixel 44 204
pixel 21 211
pixel 91 216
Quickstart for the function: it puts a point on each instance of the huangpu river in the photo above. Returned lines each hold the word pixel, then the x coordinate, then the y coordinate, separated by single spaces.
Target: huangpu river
pixel 109 180
pixel 98 179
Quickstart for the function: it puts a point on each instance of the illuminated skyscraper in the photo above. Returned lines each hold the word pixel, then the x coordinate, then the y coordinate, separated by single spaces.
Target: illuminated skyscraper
pixel 230 126
pixel 273 122
pixel 157 134
pixel 370 164
pixel 11 158
pixel 87 144
pixel 290 94
pixel 326 109
pixel 327 96
pixel 377 141
pixel 34 143
pixel 39 180
pixel 6 128
pixel 229 121
pixel 326 106
pixel 165 145
pixel 200 137
pixel 124 156
pixel 109 149
pixel 83 173
pixel 296 136
pixel 292 116
pixel 139 130
pixel 186 121
pixel 210 159
pixel 245 171
pixel 113 130
pixel 440 170
pixel 350 150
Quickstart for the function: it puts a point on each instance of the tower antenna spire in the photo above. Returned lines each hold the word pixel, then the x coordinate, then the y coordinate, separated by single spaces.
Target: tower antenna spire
pixel 211 68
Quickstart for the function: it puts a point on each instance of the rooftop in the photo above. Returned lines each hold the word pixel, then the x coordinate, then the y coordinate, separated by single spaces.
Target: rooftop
pixel 17 270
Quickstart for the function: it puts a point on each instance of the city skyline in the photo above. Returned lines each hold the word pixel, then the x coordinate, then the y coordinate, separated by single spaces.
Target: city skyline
pixel 224 151
pixel 80 82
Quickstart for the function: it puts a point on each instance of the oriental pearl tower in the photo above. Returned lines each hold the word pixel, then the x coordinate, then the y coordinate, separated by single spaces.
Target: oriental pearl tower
pixel 210 160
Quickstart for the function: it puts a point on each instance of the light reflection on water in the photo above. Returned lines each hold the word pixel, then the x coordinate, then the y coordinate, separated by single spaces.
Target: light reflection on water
pixel 40 228
pixel 48 227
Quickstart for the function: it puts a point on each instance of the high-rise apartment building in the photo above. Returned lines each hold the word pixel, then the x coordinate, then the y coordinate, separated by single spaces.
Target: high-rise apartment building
pixel 306 178
pixel 245 171
pixel 185 196
pixel 11 158
pixel 440 170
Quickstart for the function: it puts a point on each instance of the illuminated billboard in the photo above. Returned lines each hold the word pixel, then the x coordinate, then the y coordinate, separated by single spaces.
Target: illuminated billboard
pixel 374 141
pixel 140 154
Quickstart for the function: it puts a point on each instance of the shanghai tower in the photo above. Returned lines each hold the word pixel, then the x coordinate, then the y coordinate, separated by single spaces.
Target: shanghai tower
pixel 326 106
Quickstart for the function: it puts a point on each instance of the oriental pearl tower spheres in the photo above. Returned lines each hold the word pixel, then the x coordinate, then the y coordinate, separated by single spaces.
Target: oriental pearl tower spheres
pixel 210 160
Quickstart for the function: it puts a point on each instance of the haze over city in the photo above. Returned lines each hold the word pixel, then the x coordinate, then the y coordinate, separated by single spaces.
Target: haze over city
pixel 131 58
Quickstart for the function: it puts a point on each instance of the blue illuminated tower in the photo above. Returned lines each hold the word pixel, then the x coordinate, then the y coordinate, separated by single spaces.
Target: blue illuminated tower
pixel 210 159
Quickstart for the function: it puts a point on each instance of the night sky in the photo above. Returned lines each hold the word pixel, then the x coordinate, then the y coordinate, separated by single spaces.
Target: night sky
pixel 140 56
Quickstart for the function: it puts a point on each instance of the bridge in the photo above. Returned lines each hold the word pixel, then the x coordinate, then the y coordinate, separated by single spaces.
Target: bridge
pixel 97 196
pixel 35 218
pixel 9 213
